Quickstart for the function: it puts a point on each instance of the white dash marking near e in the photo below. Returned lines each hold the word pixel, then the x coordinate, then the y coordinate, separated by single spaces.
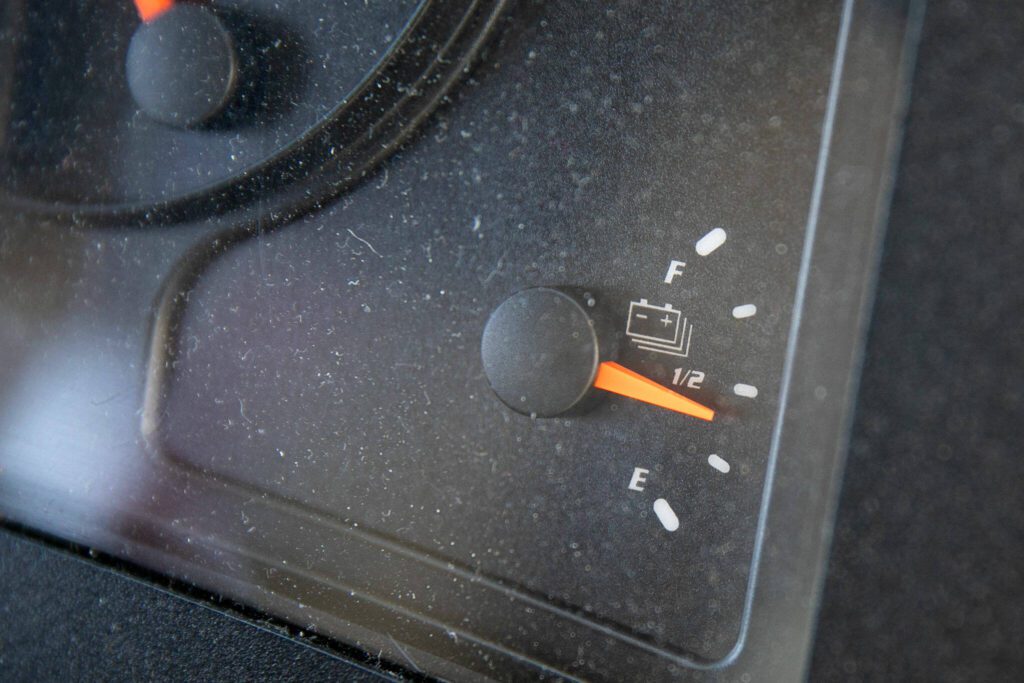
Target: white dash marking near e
pixel 744 311
pixel 711 241
pixel 666 515
pixel 745 390
pixel 719 463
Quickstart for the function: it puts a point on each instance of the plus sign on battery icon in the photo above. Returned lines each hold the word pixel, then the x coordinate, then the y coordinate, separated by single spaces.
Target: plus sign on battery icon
pixel 661 329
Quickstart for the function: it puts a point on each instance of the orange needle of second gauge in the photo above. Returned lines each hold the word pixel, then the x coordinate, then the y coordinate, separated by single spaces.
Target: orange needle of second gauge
pixel 623 381
pixel 151 9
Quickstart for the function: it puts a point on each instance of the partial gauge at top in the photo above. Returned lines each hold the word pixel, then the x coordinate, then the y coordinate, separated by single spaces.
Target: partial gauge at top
pixel 154 107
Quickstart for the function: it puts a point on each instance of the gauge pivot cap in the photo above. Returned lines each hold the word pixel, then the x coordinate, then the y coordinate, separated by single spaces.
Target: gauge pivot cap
pixel 182 67
pixel 541 352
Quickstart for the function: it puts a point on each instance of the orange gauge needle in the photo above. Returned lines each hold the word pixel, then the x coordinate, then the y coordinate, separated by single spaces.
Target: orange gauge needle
pixel 151 9
pixel 623 381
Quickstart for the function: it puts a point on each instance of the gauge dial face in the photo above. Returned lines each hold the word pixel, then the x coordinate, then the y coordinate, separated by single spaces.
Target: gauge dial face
pixel 133 106
pixel 637 506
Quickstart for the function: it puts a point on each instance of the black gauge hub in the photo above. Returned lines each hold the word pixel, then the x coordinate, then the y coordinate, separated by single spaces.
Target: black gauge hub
pixel 182 67
pixel 540 352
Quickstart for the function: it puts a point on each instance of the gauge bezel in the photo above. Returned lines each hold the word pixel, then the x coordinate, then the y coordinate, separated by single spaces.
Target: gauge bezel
pixel 435 49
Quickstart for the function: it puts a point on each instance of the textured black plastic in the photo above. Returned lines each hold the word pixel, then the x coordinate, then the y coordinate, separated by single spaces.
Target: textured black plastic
pixel 62 618
pixel 926 580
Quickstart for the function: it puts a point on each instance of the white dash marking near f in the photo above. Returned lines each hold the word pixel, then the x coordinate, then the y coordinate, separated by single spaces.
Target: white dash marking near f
pixel 711 241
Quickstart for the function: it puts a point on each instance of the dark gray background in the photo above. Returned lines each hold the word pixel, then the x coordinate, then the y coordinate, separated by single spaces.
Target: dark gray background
pixel 925 576
pixel 926 580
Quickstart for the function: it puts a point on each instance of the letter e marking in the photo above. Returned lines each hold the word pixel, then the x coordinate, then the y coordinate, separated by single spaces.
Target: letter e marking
pixel 639 479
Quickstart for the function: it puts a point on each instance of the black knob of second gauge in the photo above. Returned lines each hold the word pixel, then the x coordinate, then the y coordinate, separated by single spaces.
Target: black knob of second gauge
pixel 541 352
pixel 182 67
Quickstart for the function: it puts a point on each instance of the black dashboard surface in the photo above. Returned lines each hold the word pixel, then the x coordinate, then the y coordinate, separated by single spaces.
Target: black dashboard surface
pixel 62 618
pixel 925 573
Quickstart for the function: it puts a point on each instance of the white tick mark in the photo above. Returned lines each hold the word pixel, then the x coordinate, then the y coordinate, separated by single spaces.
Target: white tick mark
pixel 666 515
pixel 744 311
pixel 719 463
pixel 745 390
pixel 711 241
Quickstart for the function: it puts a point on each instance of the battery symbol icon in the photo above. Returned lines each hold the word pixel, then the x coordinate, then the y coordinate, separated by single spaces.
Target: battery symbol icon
pixel 662 329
